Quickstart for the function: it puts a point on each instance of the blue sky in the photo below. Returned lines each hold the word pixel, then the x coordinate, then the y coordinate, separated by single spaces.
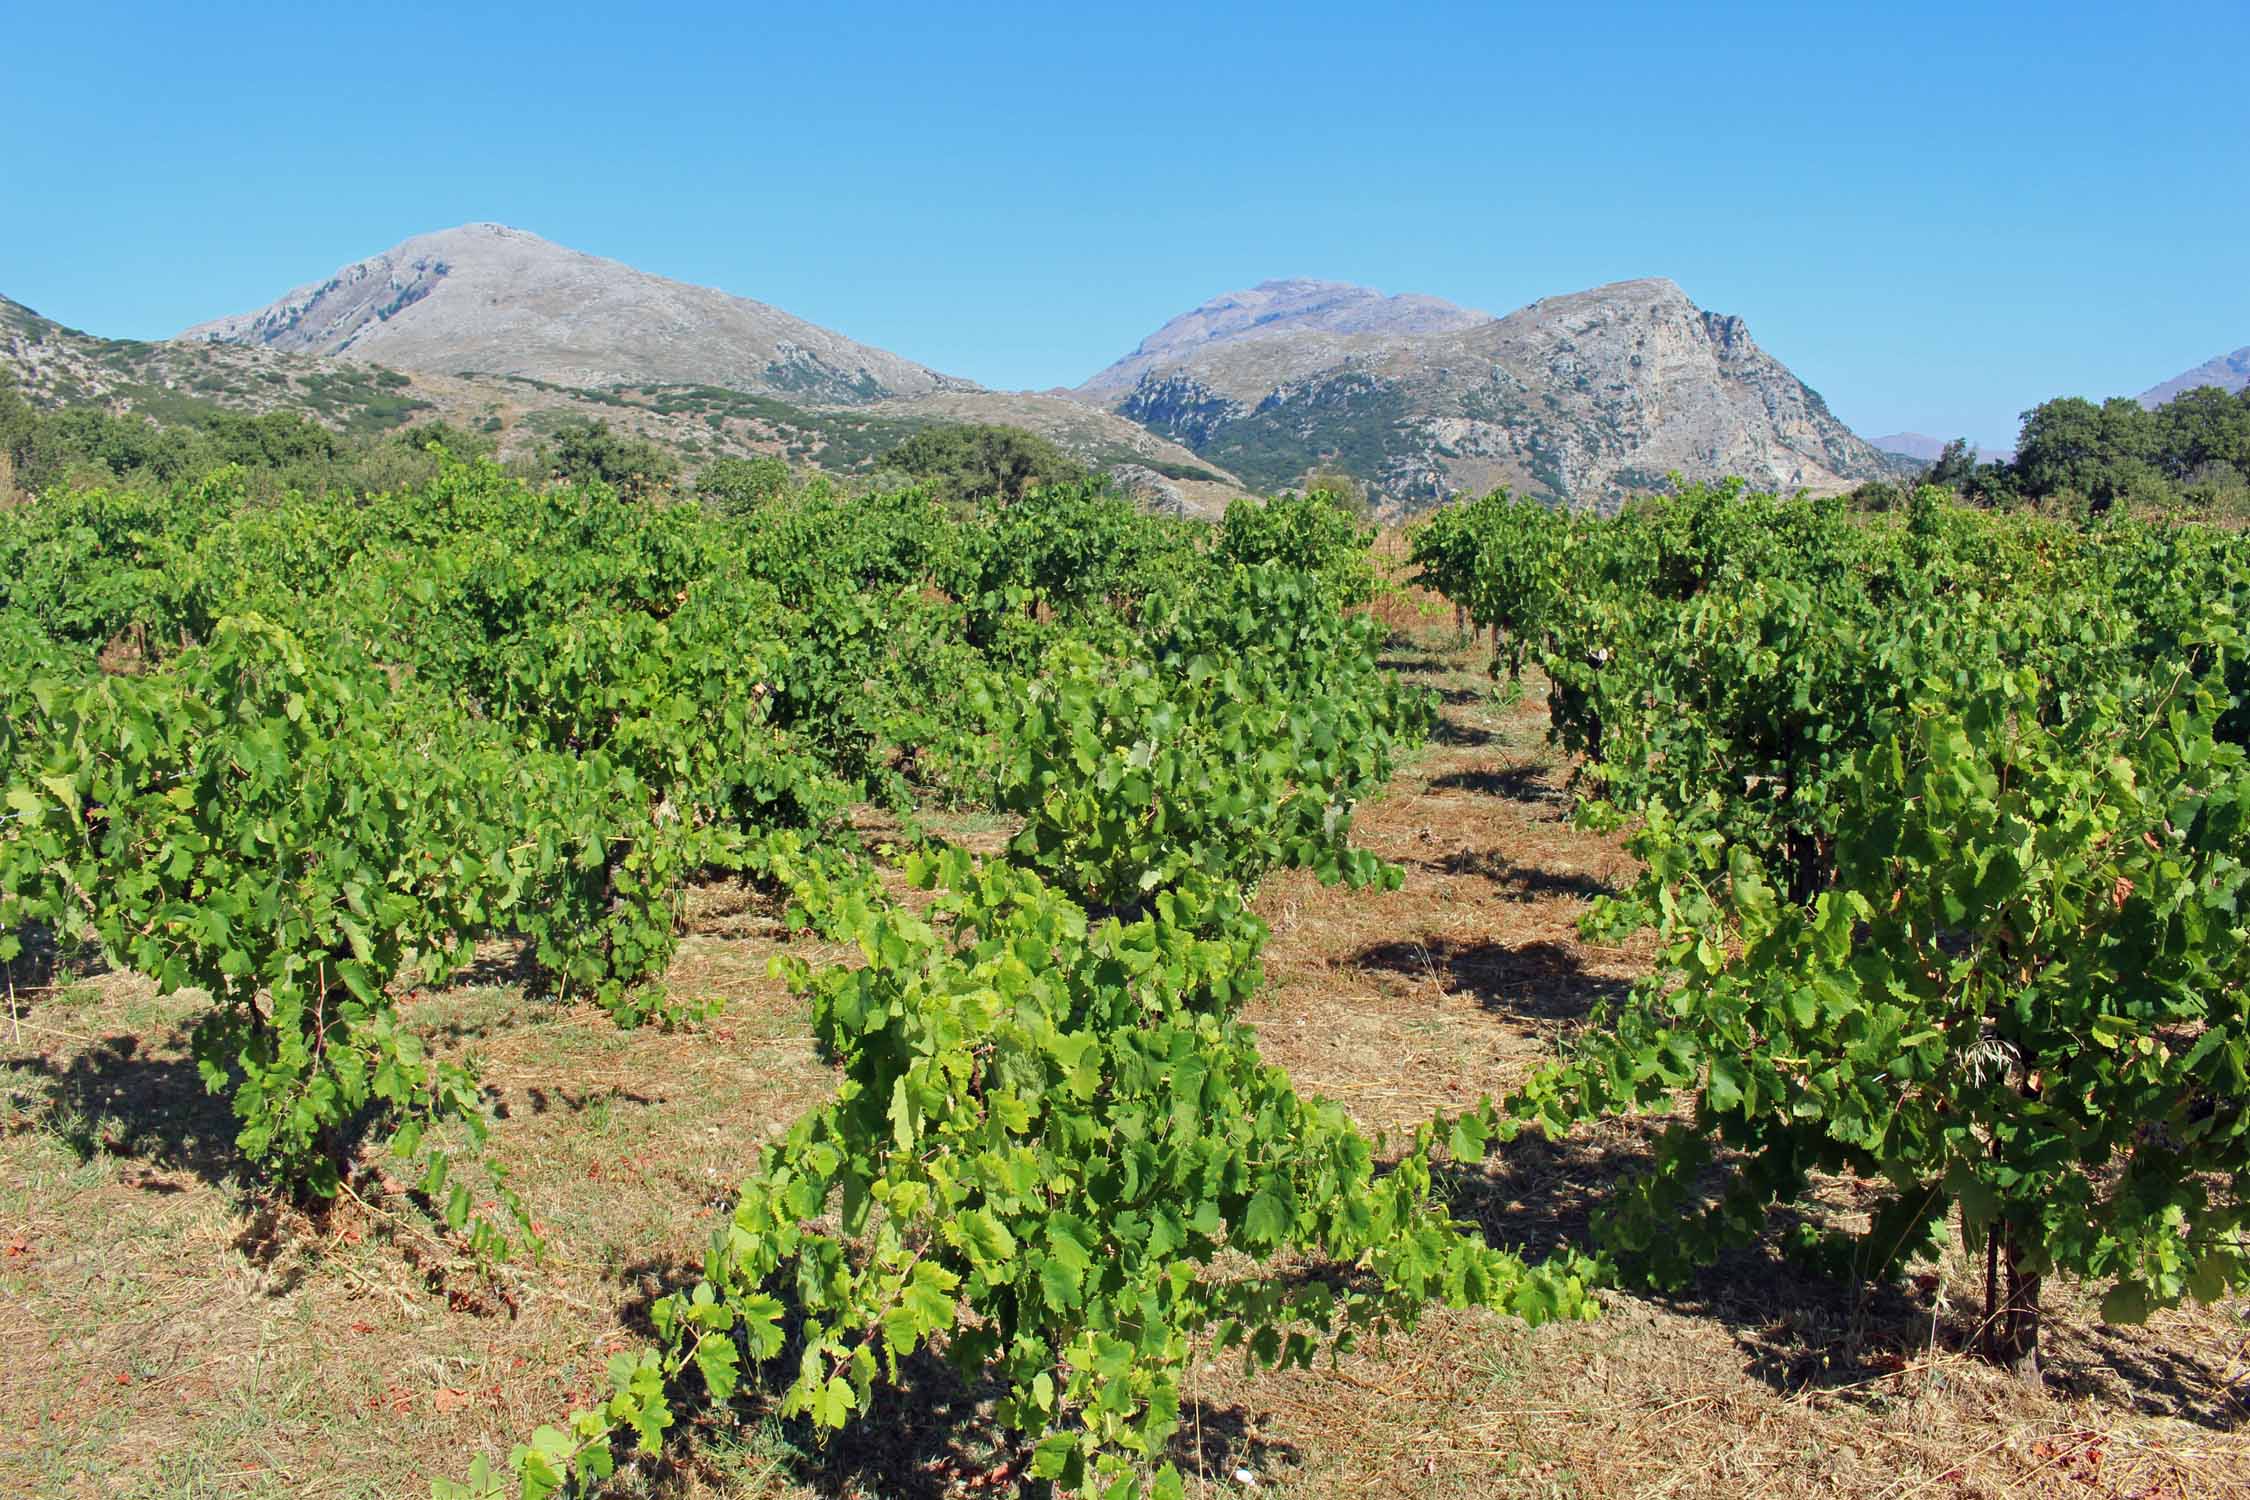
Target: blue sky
pixel 1937 215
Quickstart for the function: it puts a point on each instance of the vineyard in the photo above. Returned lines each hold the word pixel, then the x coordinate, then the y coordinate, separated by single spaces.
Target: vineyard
pixel 896 995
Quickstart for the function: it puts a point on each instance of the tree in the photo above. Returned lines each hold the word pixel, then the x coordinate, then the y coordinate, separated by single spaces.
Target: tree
pixel 737 486
pixel 588 452
pixel 18 424
pixel 1954 467
pixel 457 441
pixel 1877 495
pixel 1991 485
pixel 1344 489
pixel 272 440
pixel 964 461
pixel 2202 427
pixel 2098 454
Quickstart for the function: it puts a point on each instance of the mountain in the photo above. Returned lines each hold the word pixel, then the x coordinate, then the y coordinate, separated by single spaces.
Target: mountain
pixel 1923 448
pixel 57 366
pixel 1584 398
pixel 186 380
pixel 1354 319
pixel 2229 372
pixel 489 299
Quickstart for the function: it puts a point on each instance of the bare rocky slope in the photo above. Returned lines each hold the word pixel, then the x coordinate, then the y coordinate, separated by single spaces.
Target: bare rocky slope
pixel 1584 398
pixel 488 299
pixel 2229 372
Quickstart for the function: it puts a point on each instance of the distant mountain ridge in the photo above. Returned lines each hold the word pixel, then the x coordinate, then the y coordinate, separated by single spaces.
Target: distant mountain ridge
pixel 489 299
pixel 2229 372
pixel 1583 398
pixel 1284 309
pixel 1923 448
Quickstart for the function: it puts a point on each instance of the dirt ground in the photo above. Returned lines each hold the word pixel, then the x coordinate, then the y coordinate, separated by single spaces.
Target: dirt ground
pixel 166 1337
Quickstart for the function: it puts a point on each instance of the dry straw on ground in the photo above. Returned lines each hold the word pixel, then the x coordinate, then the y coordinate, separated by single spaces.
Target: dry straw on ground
pixel 166 1339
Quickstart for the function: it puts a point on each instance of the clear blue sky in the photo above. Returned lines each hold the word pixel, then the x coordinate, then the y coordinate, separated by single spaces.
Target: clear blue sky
pixel 1936 215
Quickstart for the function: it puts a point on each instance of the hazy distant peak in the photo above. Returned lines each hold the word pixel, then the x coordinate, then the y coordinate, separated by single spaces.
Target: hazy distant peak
pixel 1285 308
pixel 1925 448
pixel 1295 303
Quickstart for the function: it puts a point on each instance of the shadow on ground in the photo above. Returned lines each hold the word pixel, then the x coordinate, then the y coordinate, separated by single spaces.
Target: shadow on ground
pixel 1514 783
pixel 2094 1361
pixel 513 963
pixel 1799 1330
pixel 929 1435
pixel 1464 736
pixel 541 1100
pixel 117 1099
pixel 47 961
pixel 1519 882
pixel 932 1435
pixel 1541 981
pixel 925 1436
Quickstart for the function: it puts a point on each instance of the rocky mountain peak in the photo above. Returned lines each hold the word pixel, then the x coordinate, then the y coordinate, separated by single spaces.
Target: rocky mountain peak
pixel 494 299
pixel 1584 397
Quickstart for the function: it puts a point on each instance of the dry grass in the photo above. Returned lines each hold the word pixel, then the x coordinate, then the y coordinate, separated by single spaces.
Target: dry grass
pixel 166 1339
pixel 1760 1380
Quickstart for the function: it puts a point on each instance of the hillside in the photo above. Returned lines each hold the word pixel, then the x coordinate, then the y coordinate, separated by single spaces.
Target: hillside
pixel 494 300
pixel 1582 398
pixel 57 366
pixel 2229 372
pixel 1166 470
pixel 175 381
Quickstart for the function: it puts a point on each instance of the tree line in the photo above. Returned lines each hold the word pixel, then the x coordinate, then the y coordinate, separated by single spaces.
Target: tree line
pixel 85 445
pixel 2080 457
